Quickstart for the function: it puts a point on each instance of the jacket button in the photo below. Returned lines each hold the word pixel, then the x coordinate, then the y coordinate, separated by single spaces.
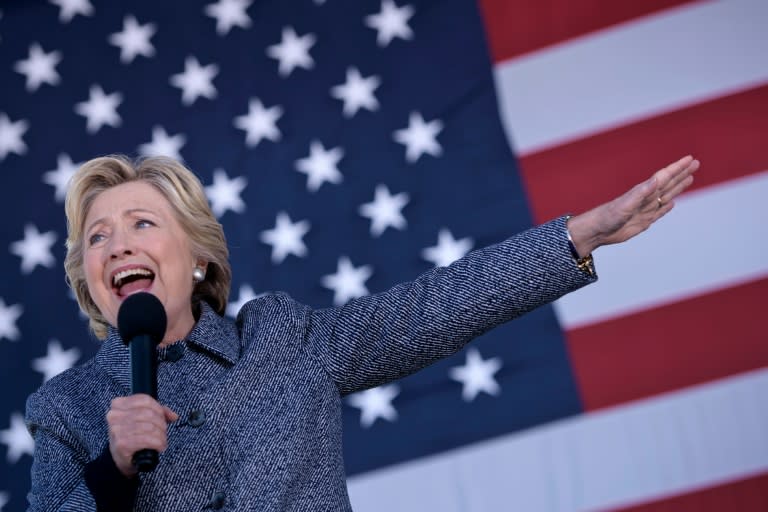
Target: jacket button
pixel 196 417
pixel 217 500
pixel 174 352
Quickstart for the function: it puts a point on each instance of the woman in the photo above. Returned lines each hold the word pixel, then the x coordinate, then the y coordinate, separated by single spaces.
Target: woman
pixel 249 412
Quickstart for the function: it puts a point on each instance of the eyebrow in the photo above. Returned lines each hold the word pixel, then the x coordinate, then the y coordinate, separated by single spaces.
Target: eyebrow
pixel 130 211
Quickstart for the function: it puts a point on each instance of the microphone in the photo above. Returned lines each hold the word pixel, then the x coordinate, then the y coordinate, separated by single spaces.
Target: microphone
pixel 141 322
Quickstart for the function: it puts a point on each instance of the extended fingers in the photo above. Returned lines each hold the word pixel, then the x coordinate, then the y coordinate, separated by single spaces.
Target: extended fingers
pixel 679 182
pixel 671 194
pixel 662 211
pixel 642 205
pixel 669 182
pixel 672 173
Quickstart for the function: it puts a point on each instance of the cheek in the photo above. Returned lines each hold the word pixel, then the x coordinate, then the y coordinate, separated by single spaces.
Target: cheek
pixel 93 274
pixel 89 266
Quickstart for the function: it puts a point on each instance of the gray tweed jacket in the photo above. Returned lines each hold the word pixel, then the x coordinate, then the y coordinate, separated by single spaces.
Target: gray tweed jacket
pixel 260 397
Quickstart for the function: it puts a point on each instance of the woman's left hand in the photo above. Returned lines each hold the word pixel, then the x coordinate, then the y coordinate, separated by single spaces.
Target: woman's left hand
pixel 633 212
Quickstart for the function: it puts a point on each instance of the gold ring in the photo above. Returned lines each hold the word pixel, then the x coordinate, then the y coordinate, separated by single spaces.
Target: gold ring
pixel 658 200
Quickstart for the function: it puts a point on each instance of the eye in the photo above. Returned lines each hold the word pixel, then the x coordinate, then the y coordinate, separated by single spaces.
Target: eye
pixel 144 223
pixel 95 238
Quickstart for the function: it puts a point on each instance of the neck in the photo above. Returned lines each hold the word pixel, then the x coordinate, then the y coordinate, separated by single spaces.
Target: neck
pixel 179 330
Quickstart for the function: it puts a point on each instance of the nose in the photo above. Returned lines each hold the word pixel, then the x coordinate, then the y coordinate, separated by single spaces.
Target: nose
pixel 120 245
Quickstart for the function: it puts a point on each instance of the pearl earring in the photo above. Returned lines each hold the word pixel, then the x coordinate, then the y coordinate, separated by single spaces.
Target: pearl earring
pixel 198 275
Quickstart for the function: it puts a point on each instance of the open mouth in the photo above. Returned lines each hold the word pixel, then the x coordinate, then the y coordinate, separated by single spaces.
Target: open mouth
pixel 132 280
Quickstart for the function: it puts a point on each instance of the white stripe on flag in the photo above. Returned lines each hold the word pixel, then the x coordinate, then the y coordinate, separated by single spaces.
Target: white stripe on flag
pixel 647 450
pixel 729 246
pixel 632 71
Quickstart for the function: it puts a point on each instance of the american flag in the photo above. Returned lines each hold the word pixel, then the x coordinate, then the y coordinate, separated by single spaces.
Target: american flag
pixel 350 145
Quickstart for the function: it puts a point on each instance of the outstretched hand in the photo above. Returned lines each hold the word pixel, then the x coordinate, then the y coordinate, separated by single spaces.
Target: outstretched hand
pixel 634 211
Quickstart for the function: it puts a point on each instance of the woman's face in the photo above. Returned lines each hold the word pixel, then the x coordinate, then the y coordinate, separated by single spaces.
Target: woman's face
pixel 133 243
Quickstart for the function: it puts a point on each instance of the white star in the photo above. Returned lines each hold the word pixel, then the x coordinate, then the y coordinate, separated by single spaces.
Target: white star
pixel 292 51
pixel 35 249
pixel 8 317
pixel 320 166
pixel 391 22
pixel 134 39
pixel 357 92
pixel 228 14
pixel 3 500
pixel 245 294
pixel 375 403
pixel 59 177
pixel 285 238
pixel 163 144
pixel 71 8
pixel 447 250
pixel 195 81
pixel 259 123
pixel 39 67
pixel 17 439
pixel 55 361
pixel 477 375
pixel 419 137
pixel 100 109
pixel 348 282
pixel 10 136
pixel 224 194
pixel 384 210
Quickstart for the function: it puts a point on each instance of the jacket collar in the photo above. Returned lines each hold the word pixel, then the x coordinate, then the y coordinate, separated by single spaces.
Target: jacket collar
pixel 212 333
pixel 216 334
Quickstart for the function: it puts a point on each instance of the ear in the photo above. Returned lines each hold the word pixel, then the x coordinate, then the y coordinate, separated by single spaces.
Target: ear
pixel 200 263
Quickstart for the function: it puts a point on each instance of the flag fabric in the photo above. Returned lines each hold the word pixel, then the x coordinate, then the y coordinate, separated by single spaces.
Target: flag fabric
pixel 349 146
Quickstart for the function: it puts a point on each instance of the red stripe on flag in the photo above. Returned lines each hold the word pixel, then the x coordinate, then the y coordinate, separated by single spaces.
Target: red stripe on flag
pixel 748 495
pixel 516 27
pixel 678 345
pixel 728 135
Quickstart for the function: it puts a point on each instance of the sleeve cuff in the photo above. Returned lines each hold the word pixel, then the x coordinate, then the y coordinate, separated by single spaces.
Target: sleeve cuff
pixel 111 489
pixel 585 263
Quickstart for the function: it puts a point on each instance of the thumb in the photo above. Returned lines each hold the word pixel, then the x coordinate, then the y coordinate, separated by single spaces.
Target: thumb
pixel 642 193
pixel 637 196
pixel 170 416
pixel 650 186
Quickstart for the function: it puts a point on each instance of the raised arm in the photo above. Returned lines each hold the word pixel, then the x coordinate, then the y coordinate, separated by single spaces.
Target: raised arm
pixel 375 339
pixel 379 338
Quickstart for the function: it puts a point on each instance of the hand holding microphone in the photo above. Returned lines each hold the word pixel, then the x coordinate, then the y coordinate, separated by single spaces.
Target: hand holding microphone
pixel 138 423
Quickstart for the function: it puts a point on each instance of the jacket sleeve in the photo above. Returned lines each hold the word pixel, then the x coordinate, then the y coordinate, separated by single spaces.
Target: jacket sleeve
pixel 382 337
pixel 58 483
pixel 65 476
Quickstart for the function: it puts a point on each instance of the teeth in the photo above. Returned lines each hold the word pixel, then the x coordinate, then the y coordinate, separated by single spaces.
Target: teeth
pixel 130 272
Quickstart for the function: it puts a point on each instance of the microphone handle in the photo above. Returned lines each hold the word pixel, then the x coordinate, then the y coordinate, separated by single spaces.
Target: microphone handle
pixel 143 366
pixel 145 460
pixel 144 380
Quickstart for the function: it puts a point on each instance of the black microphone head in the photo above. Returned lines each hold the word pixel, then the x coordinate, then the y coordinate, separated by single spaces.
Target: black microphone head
pixel 141 314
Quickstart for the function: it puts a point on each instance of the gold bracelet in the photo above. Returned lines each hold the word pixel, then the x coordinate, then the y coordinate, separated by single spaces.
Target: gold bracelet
pixel 586 263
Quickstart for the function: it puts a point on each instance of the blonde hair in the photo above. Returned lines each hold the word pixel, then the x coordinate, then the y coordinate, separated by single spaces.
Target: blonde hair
pixel 184 193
